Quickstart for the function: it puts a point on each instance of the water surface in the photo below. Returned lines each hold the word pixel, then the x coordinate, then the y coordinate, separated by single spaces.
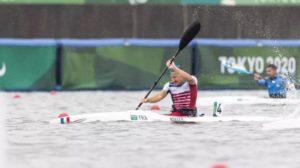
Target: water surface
pixel 33 143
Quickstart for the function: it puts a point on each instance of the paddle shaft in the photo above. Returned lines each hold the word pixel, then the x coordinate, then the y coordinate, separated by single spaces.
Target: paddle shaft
pixel 156 82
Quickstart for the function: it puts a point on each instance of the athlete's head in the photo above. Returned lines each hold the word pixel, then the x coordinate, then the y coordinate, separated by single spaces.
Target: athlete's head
pixel 176 78
pixel 271 70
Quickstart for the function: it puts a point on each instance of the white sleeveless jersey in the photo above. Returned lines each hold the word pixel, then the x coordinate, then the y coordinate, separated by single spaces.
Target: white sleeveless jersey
pixel 183 96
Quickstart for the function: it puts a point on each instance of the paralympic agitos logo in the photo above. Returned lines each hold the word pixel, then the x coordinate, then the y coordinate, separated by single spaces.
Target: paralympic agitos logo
pixel 3 70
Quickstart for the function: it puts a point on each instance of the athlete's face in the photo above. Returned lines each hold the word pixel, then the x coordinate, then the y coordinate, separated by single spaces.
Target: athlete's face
pixel 271 72
pixel 176 78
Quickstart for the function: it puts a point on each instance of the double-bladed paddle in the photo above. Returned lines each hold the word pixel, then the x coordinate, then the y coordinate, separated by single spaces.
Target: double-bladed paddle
pixel 186 38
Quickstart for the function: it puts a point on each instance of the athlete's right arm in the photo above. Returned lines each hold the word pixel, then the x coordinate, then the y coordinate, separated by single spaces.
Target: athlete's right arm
pixel 260 80
pixel 155 98
pixel 257 77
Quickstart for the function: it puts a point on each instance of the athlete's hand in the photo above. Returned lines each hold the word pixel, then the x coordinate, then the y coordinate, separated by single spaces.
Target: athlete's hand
pixel 144 100
pixel 170 65
pixel 257 77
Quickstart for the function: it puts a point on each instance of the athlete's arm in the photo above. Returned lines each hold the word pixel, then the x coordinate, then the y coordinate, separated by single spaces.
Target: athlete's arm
pixel 257 77
pixel 156 98
pixel 260 80
pixel 182 73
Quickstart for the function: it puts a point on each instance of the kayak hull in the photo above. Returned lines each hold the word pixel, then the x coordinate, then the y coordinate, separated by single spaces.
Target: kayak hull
pixel 146 116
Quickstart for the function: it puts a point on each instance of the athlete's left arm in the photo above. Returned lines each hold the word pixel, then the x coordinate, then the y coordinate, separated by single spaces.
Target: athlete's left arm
pixel 181 72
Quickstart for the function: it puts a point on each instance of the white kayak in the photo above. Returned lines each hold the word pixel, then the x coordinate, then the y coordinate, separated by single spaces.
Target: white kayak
pixel 245 100
pixel 145 116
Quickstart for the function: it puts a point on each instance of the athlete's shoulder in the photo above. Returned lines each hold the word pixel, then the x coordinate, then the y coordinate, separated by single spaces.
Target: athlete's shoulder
pixel 281 77
pixel 195 80
pixel 267 79
pixel 167 86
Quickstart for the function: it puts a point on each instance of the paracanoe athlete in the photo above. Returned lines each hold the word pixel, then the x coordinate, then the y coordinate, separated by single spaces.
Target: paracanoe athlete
pixel 183 89
pixel 276 84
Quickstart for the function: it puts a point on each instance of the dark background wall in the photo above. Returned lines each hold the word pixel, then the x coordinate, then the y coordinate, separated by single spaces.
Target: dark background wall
pixel 146 21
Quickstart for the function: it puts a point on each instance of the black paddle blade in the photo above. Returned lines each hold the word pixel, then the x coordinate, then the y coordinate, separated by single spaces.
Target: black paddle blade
pixel 189 34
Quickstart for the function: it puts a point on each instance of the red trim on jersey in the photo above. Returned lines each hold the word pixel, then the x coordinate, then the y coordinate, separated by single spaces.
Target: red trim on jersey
pixel 194 92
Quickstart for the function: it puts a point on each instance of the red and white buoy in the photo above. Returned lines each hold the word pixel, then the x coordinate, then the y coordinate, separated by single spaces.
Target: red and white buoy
pixel 63 115
pixel 53 92
pixel 219 165
pixel 17 96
